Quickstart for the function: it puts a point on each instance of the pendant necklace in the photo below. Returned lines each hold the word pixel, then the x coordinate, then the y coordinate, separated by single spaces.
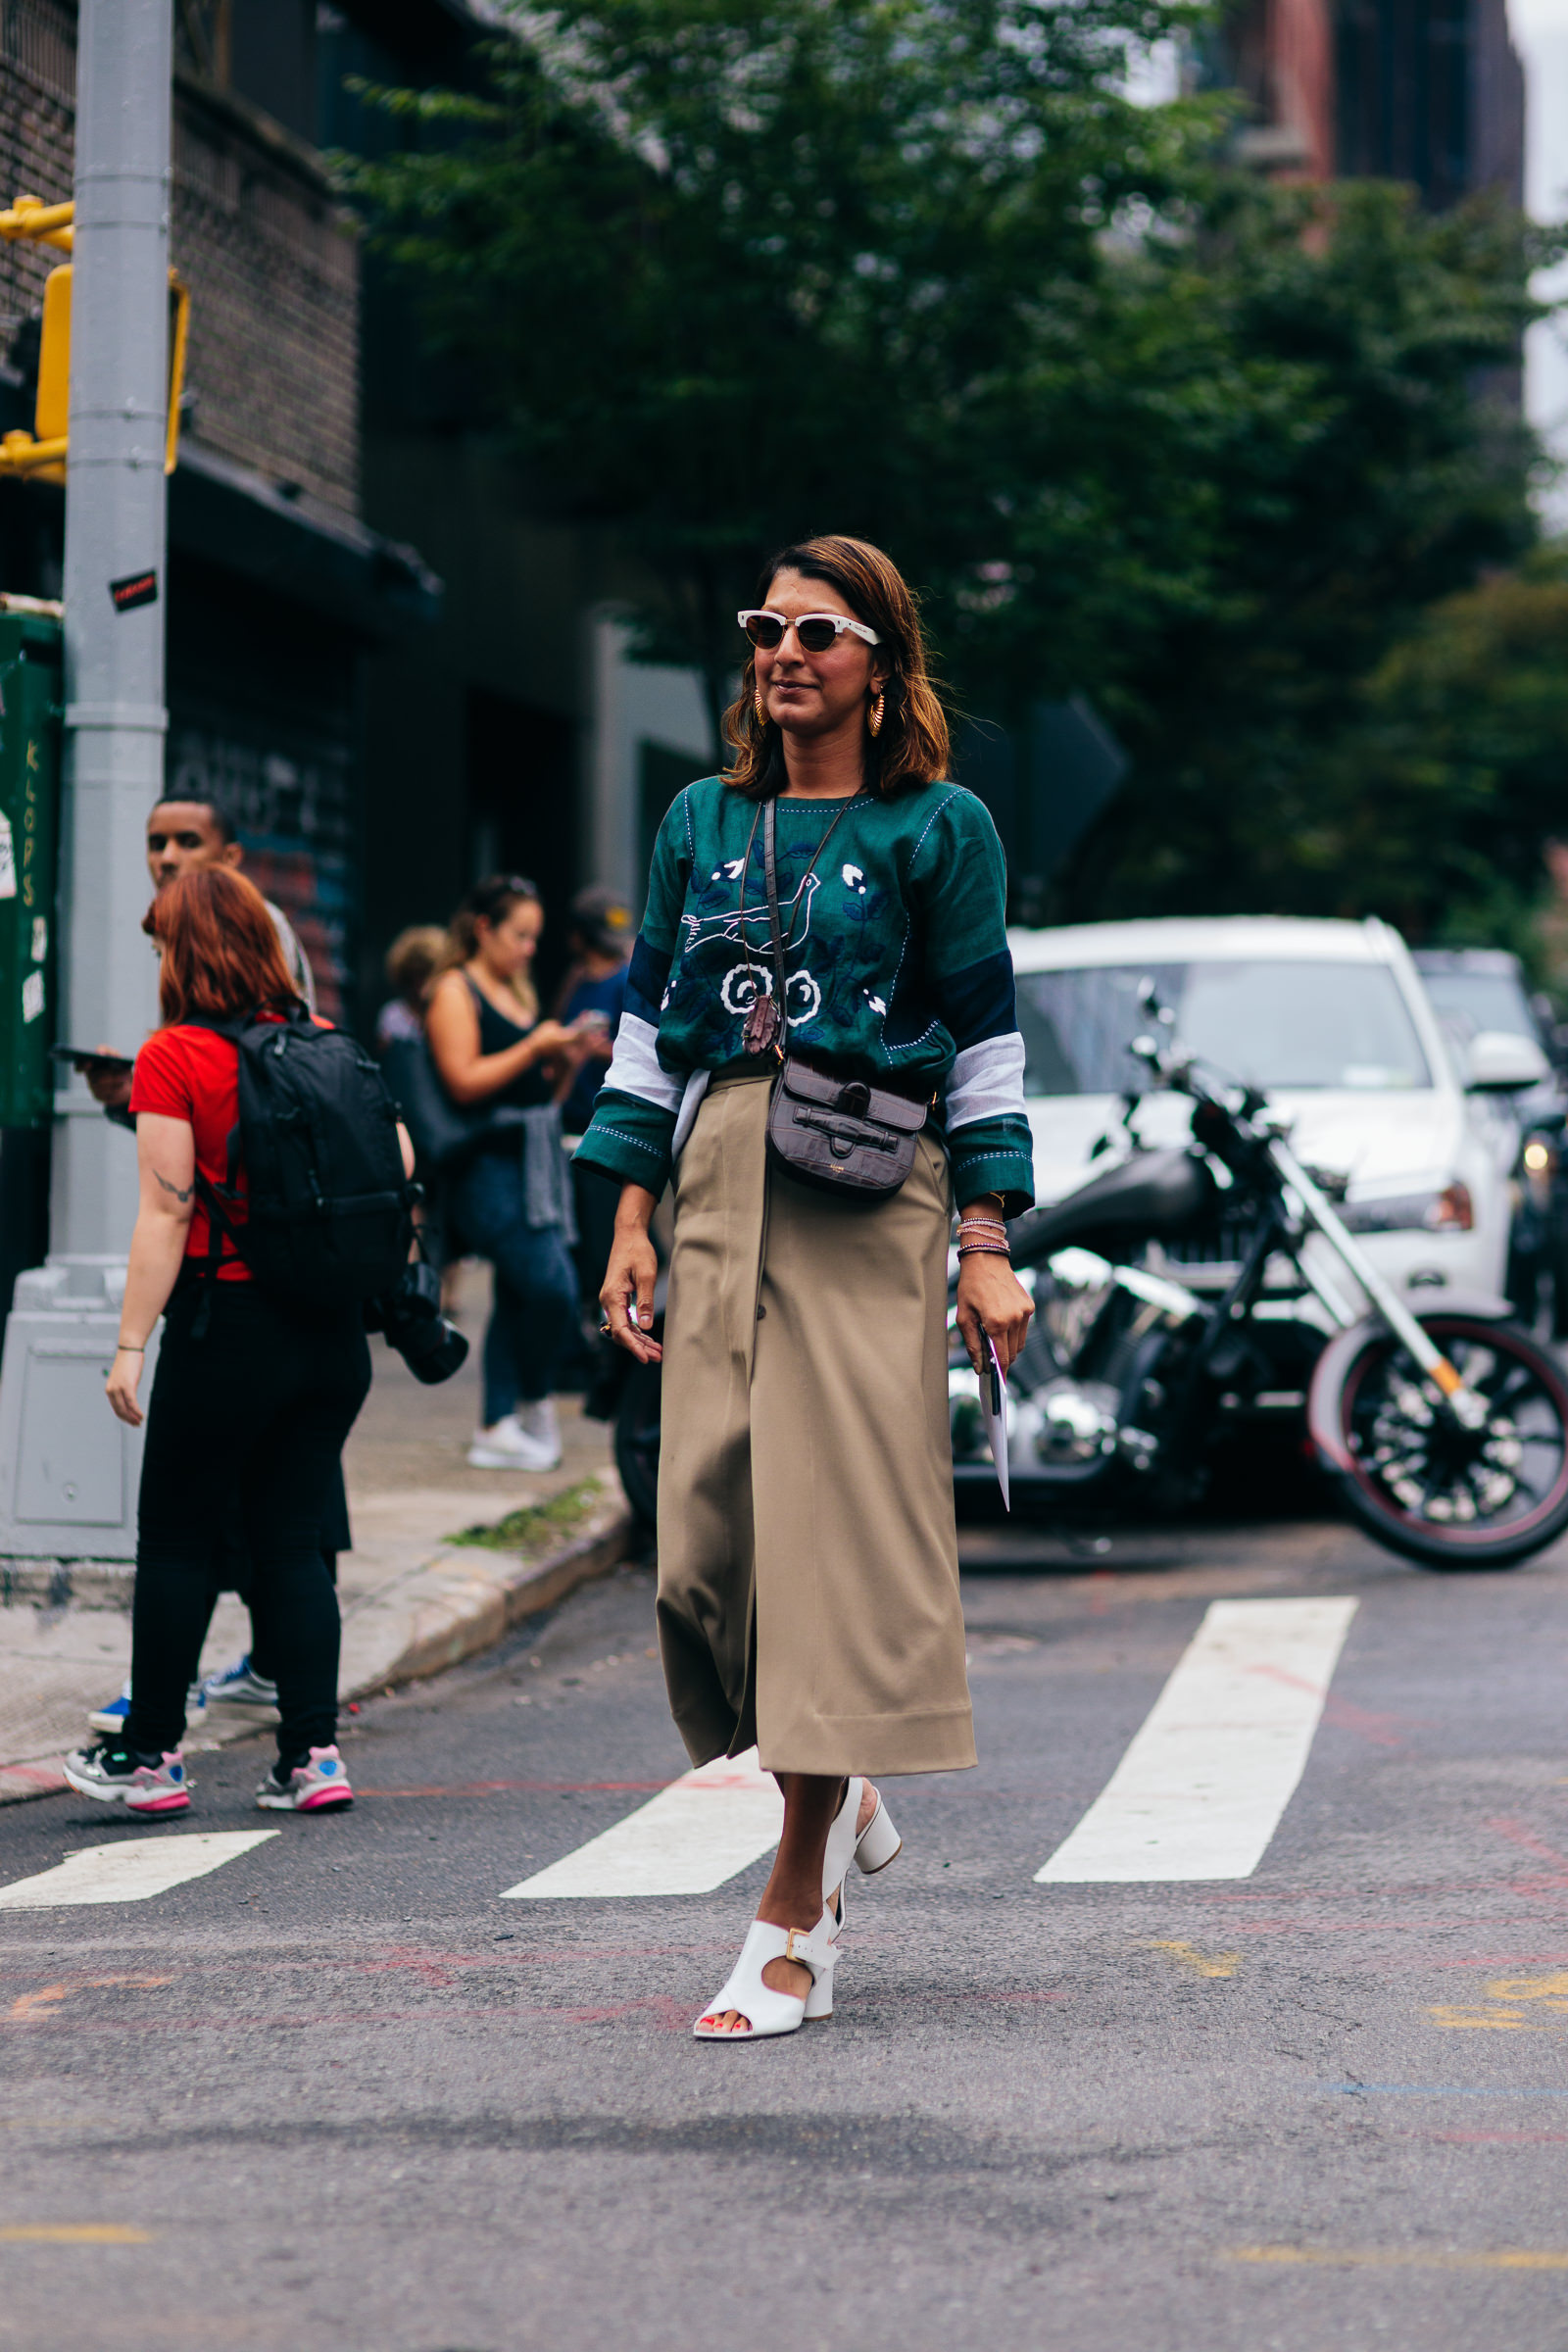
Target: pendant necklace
pixel 765 1019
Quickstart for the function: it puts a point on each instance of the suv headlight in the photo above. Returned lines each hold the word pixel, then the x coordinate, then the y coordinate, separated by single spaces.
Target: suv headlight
pixel 1449 1210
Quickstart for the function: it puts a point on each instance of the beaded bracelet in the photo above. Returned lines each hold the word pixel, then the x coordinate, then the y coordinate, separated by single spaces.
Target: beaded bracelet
pixel 985 1249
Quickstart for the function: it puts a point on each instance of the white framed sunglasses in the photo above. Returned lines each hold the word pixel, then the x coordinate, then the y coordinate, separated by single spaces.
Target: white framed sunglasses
pixel 814 632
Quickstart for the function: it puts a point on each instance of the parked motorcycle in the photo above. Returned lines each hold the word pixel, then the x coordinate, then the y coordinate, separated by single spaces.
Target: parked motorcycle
pixel 1445 1432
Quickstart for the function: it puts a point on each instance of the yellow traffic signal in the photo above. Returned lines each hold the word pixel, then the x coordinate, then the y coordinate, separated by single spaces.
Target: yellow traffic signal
pixel 42 452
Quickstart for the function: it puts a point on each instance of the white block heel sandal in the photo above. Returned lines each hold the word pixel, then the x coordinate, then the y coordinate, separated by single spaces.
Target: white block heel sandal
pixel 765 2011
pixel 878 1843
pixel 871 1850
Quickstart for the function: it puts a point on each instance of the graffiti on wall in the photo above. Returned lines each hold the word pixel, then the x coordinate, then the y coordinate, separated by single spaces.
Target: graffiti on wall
pixel 292 811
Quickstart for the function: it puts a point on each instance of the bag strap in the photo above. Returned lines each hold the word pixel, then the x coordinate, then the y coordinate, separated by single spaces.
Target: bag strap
pixel 776 928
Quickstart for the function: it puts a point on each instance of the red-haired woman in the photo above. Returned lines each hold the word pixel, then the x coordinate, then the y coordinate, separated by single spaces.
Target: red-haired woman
pixel 808 1562
pixel 253 1400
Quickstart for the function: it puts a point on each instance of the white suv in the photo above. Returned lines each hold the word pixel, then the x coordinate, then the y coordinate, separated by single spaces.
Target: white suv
pixel 1331 1021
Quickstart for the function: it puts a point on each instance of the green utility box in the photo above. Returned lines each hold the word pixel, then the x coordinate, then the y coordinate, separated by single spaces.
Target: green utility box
pixel 30 713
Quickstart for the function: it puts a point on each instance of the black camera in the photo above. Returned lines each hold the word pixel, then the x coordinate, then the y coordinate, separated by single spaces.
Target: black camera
pixel 410 1314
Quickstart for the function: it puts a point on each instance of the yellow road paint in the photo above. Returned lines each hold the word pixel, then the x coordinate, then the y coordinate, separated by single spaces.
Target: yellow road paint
pixel 33 2004
pixel 1552 1989
pixel 1202 1964
pixel 72 2233
pixel 48 1997
pixel 1550 1992
pixel 1479 2021
pixel 1402 2258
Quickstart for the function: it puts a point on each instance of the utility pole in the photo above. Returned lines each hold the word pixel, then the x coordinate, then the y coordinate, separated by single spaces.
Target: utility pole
pixel 68 1468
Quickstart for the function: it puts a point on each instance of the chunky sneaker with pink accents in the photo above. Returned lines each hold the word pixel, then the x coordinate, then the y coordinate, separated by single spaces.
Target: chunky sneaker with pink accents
pixel 118 1776
pixel 317 1786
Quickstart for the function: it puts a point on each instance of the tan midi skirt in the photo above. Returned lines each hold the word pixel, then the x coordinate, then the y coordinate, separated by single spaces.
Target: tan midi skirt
pixel 807 1559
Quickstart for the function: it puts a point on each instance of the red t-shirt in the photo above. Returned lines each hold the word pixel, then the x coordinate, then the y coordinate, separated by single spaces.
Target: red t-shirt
pixel 193 1074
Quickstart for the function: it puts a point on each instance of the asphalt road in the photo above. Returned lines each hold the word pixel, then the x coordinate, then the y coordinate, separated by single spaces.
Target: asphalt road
pixel 339 2094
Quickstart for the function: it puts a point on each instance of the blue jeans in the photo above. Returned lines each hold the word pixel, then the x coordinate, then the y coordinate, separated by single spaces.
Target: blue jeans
pixel 536 1289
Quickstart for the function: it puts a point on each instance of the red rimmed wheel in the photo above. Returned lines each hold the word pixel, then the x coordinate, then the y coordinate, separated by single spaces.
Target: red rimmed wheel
pixel 1445 1495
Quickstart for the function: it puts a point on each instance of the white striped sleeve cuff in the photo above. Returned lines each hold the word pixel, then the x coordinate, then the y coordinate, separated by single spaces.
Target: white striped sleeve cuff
pixel 635 1069
pixel 986 1082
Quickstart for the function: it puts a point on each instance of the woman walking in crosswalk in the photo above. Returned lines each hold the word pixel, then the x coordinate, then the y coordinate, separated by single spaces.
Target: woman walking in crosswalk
pixel 819 1047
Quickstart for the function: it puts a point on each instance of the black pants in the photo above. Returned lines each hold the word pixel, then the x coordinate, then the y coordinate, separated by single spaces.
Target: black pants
pixel 335 1537
pixel 246 1422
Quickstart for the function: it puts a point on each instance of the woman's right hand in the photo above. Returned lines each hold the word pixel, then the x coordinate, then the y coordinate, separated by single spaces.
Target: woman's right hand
pixel 546 1038
pixel 626 1295
pixel 124 1378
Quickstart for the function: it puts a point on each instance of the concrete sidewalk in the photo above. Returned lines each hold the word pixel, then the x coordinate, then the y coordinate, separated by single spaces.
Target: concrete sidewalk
pixel 413 1599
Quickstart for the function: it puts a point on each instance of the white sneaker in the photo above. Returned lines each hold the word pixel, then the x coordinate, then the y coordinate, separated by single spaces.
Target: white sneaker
pixel 508 1446
pixel 538 1424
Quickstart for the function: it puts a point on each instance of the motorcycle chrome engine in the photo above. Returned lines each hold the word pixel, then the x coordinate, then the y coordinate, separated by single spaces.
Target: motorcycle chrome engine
pixel 1069 1303
pixel 1076 1421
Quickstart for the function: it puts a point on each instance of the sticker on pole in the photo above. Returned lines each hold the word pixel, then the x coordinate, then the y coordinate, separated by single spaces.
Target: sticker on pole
pixel 137 588
pixel 32 996
pixel 7 859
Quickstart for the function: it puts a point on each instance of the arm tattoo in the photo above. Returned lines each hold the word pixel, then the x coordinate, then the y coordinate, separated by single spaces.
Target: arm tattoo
pixel 174 1187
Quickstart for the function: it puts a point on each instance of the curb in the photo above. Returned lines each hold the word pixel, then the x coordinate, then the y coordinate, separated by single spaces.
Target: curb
pixel 432 1617
pixel 21 1781
pixel 463 1603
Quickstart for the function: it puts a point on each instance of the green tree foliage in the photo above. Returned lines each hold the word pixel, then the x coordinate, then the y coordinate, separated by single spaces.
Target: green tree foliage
pixel 740 269
pixel 1446 791
pixel 734 270
pixel 1371 463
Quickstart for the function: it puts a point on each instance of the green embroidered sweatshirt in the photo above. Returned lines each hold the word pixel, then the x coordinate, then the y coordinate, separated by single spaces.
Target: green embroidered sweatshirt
pixel 896 960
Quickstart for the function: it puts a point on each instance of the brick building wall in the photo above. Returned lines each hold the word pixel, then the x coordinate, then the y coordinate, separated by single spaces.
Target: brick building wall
pixel 270 260
pixel 273 271
pixel 1425 91
pixel 37 112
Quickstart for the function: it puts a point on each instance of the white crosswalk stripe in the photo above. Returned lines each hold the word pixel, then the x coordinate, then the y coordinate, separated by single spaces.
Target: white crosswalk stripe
pixel 1201 1790
pixel 131 1870
pixel 1198 1795
pixel 688 1839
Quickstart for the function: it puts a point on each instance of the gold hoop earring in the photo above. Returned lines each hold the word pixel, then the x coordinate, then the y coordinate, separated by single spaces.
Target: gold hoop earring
pixel 873 717
pixel 760 709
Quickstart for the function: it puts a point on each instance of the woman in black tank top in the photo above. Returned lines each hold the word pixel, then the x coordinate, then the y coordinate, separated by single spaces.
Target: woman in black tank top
pixel 492 1052
pixel 499 1033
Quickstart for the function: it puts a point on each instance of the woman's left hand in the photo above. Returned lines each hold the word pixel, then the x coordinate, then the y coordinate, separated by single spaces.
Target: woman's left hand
pixel 992 1300
pixel 125 1377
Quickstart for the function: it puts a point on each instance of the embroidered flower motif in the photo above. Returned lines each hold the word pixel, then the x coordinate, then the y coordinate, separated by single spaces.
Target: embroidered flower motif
pixel 854 879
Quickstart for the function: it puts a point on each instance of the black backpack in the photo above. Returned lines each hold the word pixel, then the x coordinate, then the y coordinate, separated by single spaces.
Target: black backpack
pixel 328 1209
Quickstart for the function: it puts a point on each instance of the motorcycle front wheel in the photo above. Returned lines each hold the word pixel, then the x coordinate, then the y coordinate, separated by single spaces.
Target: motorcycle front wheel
pixel 1440 1494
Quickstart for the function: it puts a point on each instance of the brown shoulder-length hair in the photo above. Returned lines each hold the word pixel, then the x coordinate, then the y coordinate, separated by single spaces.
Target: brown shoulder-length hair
pixel 489 902
pixel 221 949
pixel 913 746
